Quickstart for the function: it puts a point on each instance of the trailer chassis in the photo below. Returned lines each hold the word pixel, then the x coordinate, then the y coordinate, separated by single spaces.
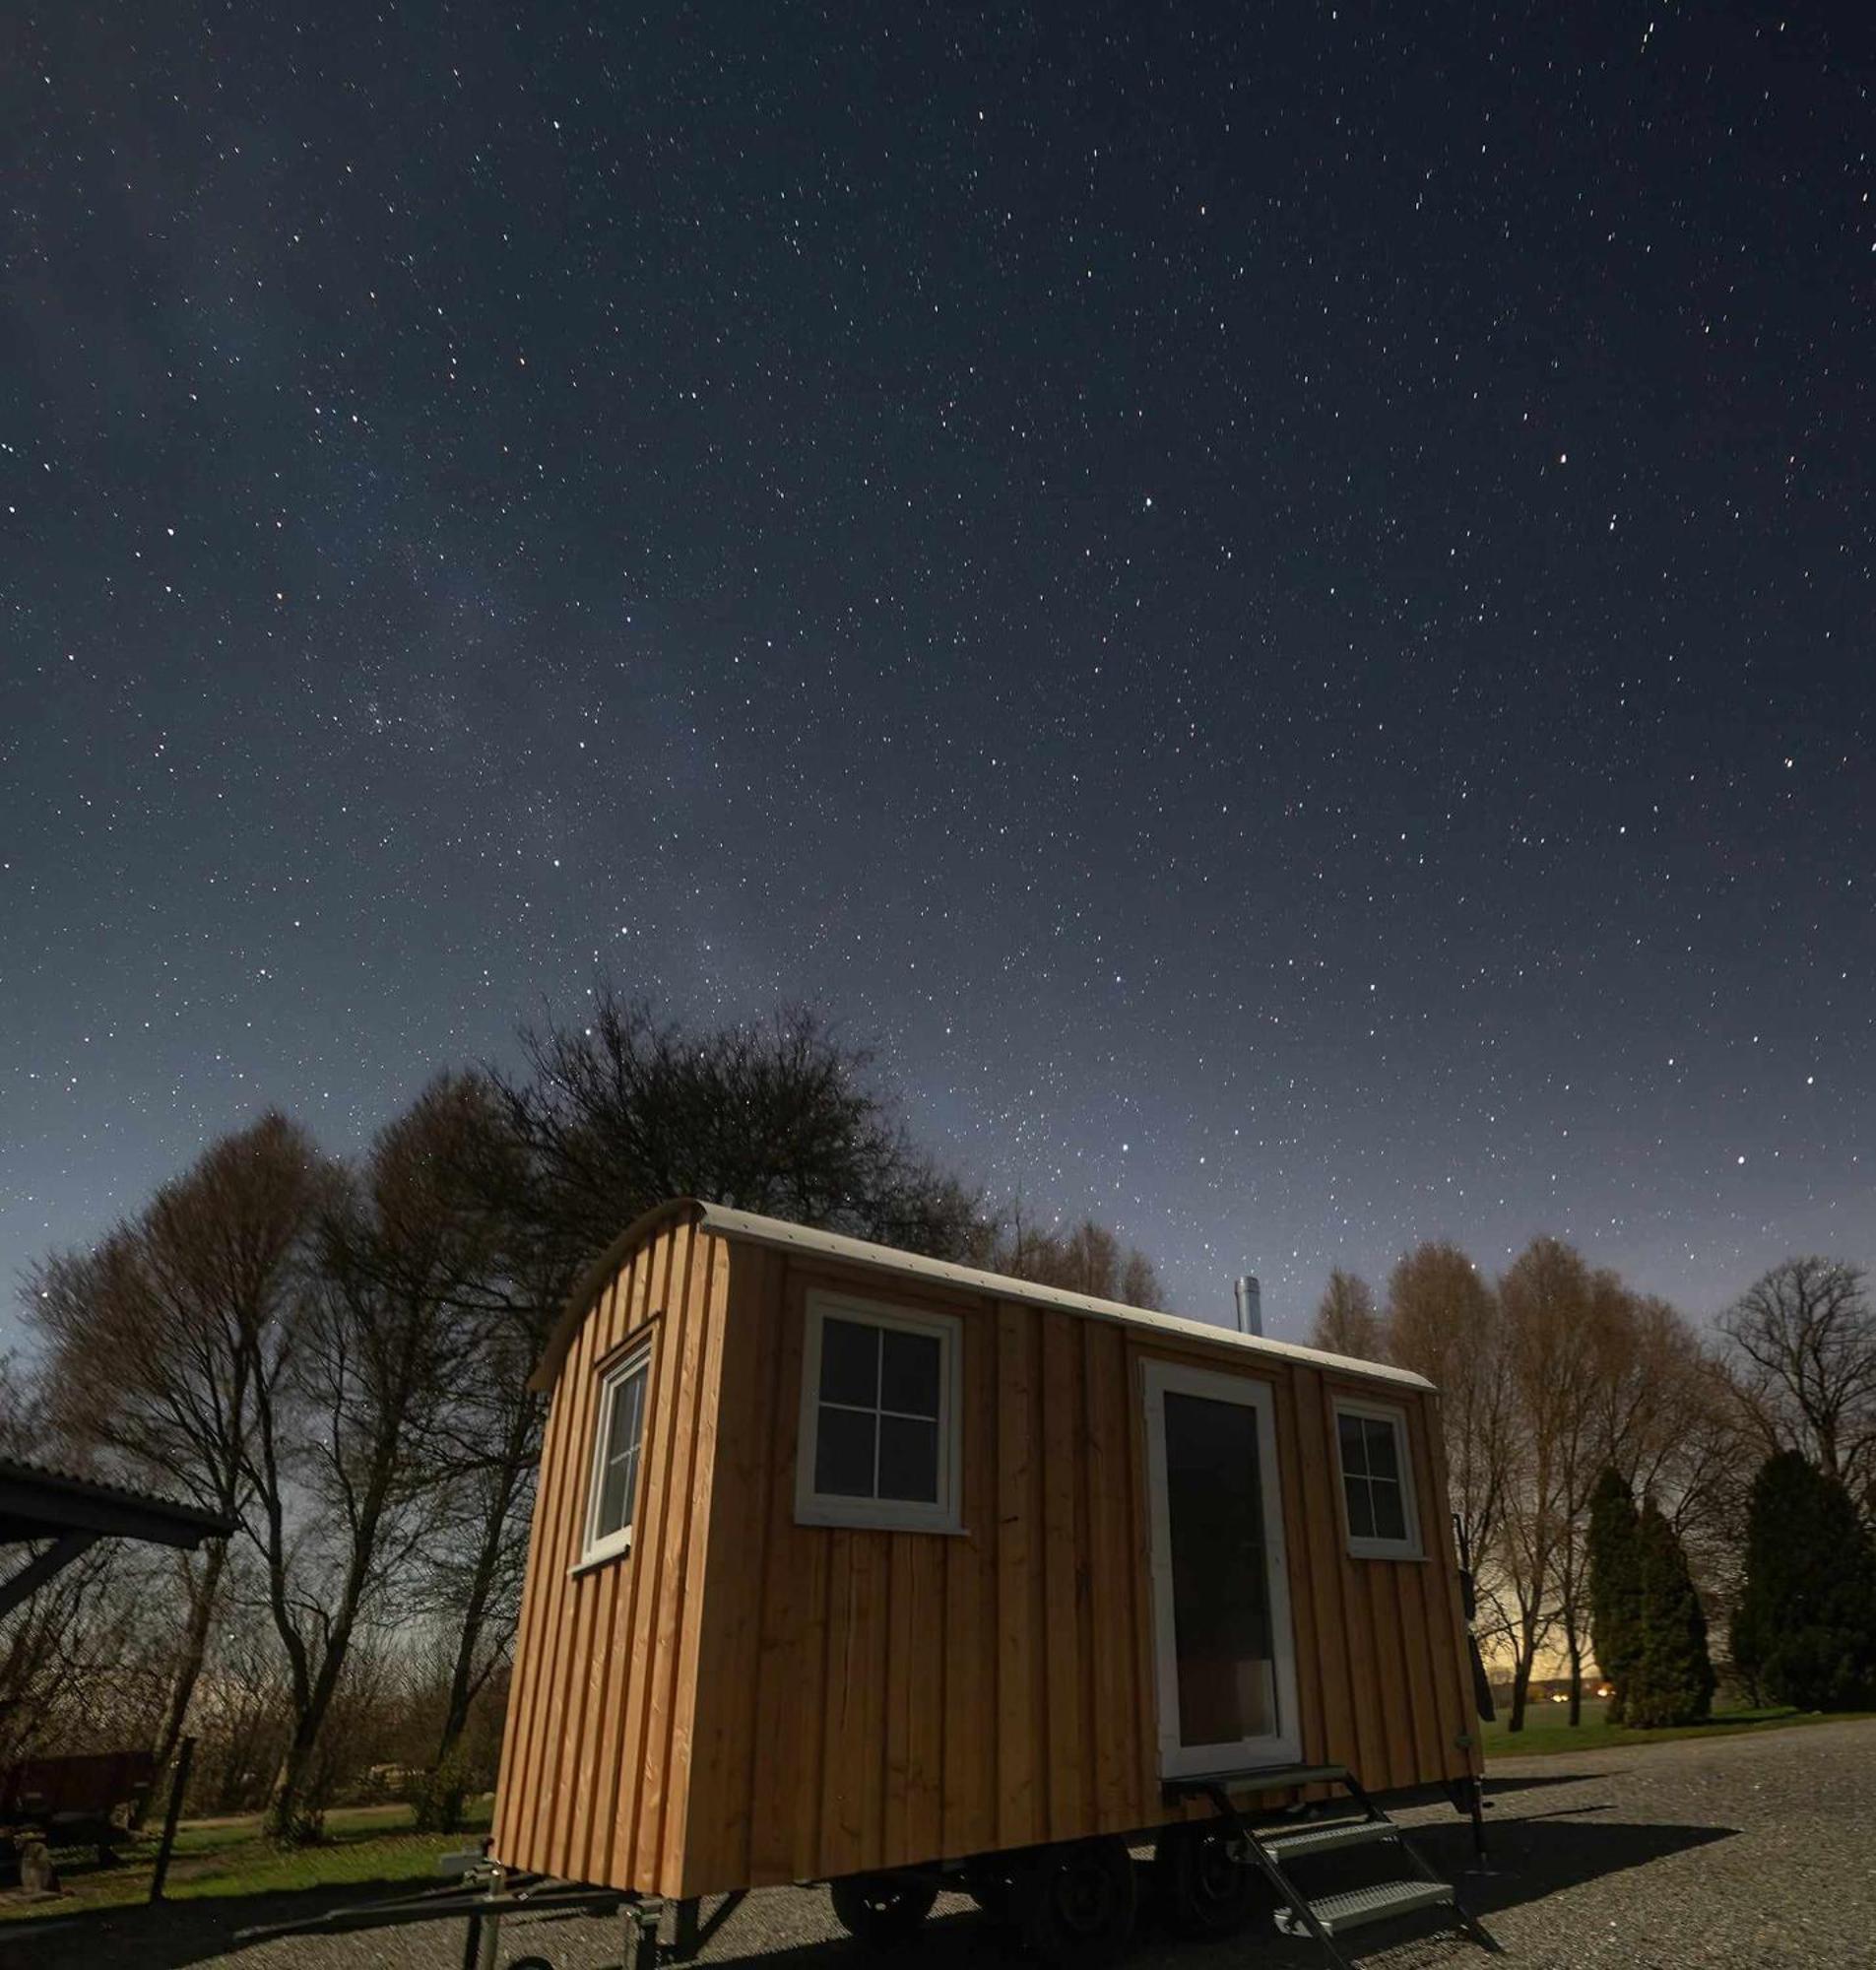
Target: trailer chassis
pixel 1091 1879
pixel 657 1932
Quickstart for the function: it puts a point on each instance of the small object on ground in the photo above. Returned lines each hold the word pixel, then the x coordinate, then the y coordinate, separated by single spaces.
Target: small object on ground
pixel 38 1875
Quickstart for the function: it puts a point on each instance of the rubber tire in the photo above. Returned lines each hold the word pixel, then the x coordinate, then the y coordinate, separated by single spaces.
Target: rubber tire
pixel 1203 1892
pixel 1083 1903
pixel 880 1910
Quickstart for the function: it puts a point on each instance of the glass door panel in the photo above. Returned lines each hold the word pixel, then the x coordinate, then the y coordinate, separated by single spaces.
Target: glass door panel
pixel 1224 1660
pixel 1221 1587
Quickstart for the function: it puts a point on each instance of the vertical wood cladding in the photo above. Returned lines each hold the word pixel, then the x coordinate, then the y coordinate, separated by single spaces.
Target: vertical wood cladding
pixel 598 1753
pixel 744 1700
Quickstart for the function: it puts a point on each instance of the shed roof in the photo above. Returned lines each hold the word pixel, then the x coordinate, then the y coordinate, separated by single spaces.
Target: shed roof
pixel 39 1503
pixel 747 1227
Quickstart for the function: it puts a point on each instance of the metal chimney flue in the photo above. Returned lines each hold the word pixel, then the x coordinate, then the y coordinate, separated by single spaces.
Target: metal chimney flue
pixel 1250 1297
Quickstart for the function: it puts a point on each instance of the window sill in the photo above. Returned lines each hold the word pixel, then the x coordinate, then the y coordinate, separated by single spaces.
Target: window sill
pixel 832 1518
pixel 1407 1555
pixel 600 1559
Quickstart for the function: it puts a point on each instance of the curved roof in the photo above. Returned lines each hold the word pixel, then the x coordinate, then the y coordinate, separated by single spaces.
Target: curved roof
pixel 747 1227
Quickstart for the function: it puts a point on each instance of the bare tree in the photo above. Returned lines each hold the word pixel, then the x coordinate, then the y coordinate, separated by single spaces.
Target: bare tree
pixel 623 1110
pixel 1546 1301
pixel 1088 1257
pixel 244 1709
pixel 487 1440
pixel 352 1443
pixel 496 1180
pixel 1443 1321
pixel 1801 1357
pixel 1664 1422
pixel 1590 1431
pixel 21 1422
pixel 62 1656
pixel 471 1569
pixel 163 1343
pixel 1346 1321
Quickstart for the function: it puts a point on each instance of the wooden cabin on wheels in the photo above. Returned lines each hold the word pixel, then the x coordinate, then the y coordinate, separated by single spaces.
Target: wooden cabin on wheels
pixel 850 1565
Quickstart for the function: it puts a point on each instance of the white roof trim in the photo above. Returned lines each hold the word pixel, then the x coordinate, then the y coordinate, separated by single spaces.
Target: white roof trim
pixel 747 1227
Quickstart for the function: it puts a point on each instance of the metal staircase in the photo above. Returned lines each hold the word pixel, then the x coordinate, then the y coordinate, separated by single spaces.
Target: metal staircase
pixel 1362 1823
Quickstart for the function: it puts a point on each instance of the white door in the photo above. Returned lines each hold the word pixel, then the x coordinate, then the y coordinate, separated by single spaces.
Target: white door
pixel 1224 1656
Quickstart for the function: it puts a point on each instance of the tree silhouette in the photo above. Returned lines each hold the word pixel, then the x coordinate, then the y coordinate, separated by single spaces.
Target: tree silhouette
pixel 1615 1584
pixel 1804 1632
pixel 1672 1677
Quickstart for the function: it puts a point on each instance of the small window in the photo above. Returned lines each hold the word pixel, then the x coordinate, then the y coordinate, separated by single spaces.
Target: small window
pixel 1376 1481
pixel 616 1458
pixel 879 1420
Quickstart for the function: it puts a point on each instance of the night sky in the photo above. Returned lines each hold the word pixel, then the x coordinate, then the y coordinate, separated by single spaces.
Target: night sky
pixel 1276 600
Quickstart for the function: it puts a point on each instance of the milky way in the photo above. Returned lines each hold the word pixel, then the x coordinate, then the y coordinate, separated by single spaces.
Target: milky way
pixel 1276 601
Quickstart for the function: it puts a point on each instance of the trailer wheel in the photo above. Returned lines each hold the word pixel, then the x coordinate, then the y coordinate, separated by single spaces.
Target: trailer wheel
pixel 1207 1891
pixel 880 1909
pixel 1083 1903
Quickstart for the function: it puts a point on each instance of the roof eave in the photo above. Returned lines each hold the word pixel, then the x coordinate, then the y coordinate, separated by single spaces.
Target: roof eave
pixel 592 1281
pixel 37 1502
pixel 748 1227
pixel 720 1221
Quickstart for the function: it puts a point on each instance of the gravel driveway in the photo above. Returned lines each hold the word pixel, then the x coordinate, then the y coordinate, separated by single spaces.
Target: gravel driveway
pixel 1716 1851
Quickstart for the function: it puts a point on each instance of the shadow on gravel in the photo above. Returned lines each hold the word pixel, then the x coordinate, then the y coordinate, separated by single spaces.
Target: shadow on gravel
pixel 174 1935
pixel 1497 1788
pixel 1532 1858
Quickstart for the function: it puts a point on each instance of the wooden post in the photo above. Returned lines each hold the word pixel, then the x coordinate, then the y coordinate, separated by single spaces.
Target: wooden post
pixel 38 1571
pixel 179 1785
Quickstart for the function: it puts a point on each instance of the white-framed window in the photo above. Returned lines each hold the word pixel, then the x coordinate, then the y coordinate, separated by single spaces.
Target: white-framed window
pixel 1376 1466
pixel 617 1446
pixel 881 1421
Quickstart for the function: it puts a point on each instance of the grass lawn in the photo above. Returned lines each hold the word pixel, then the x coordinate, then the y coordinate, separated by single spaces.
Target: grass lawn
pixel 1546 1728
pixel 232 1857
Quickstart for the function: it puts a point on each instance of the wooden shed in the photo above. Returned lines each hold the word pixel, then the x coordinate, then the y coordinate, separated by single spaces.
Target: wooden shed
pixel 846 1560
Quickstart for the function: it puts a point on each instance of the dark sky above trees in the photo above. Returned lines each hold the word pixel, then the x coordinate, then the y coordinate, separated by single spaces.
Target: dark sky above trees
pixel 1278 601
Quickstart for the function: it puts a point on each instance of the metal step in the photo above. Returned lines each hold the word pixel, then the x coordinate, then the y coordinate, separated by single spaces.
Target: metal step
pixel 1337 1913
pixel 1330 1838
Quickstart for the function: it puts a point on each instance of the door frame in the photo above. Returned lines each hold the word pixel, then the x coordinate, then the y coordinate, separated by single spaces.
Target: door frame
pixel 1284 1746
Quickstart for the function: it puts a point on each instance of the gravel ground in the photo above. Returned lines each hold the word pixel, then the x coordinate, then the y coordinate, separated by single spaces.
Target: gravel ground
pixel 1749 1850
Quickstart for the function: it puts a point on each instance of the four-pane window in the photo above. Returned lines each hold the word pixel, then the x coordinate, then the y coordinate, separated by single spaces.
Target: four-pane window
pixel 1377 1483
pixel 877 1418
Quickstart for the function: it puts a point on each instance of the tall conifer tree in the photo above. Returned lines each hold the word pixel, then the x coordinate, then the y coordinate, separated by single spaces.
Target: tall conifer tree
pixel 1805 1630
pixel 1672 1678
pixel 1615 1584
